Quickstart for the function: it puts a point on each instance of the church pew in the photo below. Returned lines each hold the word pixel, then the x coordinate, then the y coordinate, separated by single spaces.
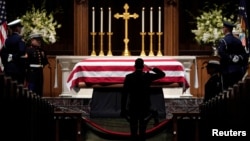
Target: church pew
pixel 244 102
pixel 24 115
pixel 228 109
pixel 2 85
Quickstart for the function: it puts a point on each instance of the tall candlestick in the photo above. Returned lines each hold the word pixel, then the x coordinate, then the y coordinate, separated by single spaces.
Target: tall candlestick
pixel 159 27
pixel 93 19
pixel 101 28
pixel 109 19
pixel 151 19
pixel 142 19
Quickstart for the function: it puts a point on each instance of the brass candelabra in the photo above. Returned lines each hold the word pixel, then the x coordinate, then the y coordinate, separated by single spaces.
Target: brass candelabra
pixel 159 43
pixel 109 43
pixel 151 52
pixel 142 43
pixel 93 53
pixel 101 53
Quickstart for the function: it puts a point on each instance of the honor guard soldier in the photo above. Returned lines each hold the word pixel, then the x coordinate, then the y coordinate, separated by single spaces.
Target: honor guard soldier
pixel 37 60
pixel 213 85
pixel 233 57
pixel 13 54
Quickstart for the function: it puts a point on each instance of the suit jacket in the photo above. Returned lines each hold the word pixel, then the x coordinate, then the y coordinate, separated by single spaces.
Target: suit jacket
pixel 136 93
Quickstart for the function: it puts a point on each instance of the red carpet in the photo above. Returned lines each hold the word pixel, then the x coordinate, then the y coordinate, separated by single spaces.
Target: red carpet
pixel 109 134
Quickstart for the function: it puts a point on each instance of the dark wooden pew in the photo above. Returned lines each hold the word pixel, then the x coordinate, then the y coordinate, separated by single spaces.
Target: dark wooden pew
pixel 228 110
pixel 24 115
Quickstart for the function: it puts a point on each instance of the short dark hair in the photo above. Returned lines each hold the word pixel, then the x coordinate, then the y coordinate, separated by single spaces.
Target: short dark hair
pixel 139 63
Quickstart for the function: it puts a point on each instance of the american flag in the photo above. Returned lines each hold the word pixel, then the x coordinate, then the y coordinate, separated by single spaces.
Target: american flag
pixel 3 23
pixel 3 28
pixel 244 22
pixel 108 71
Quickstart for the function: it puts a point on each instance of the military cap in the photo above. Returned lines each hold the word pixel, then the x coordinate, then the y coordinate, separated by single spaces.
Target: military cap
pixel 228 24
pixel 35 35
pixel 15 23
pixel 213 64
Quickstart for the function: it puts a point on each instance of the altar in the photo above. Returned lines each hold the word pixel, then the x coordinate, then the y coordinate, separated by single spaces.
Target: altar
pixel 180 73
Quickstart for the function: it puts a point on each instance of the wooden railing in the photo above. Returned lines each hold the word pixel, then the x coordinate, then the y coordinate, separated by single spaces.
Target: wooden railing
pixel 228 110
pixel 24 115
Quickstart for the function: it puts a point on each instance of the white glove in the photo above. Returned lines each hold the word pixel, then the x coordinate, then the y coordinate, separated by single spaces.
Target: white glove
pixel 9 58
pixel 236 58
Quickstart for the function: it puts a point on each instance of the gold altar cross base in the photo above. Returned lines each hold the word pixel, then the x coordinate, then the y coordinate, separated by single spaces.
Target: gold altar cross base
pixel 126 16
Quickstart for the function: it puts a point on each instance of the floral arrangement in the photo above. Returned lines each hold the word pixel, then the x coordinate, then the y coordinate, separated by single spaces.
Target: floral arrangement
pixel 38 21
pixel 209 27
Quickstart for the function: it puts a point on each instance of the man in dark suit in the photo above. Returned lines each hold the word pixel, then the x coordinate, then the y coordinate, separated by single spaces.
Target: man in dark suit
pixel 135 101
pixel 14 53
pixel 233 57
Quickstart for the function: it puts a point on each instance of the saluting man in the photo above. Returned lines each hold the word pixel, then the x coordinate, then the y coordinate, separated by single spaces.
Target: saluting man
pixel 135 99
pixel 37 60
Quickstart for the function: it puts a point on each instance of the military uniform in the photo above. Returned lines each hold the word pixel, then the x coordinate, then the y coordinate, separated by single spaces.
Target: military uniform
pixel 214 84
pixel 37 59
pixel 233 58
pixel 13 53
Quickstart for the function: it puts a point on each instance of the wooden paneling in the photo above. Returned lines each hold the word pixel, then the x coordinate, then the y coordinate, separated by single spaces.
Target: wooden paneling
pixel 51 78
pixel 171 27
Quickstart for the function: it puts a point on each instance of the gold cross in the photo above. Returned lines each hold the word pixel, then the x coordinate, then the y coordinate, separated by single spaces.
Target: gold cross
pixel 126 16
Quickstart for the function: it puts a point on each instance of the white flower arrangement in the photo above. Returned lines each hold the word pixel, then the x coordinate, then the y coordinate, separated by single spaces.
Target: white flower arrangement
pixel 209 27
pixel 38 21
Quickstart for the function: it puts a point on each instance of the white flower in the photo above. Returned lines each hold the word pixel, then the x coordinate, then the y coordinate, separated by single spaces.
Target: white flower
pixel 209 27
pixel 38 21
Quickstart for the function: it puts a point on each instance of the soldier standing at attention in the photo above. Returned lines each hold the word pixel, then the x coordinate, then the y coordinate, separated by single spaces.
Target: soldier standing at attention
pixel 37 60
pixel 213 85
pixel 13 54
pixel 233 57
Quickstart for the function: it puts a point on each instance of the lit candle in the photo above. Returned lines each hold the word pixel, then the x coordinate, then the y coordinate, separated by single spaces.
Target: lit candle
pixel 101 21
pixel 151 19
pixel 93 19
pixel 142 19
pixel 109 19
pixel 159 27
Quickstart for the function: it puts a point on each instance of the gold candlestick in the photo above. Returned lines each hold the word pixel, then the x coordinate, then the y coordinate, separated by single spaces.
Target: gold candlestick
pixel 151 52
pixel 101 53
pixel 142 44
pixel 93 53
pixel 109 43
pixel 159 43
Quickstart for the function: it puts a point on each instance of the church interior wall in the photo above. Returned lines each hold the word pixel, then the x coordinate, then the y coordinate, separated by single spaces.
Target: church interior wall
pixel 66 44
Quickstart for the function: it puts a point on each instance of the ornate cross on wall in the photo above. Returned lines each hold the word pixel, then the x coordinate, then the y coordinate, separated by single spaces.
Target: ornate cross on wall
pixel 126 16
